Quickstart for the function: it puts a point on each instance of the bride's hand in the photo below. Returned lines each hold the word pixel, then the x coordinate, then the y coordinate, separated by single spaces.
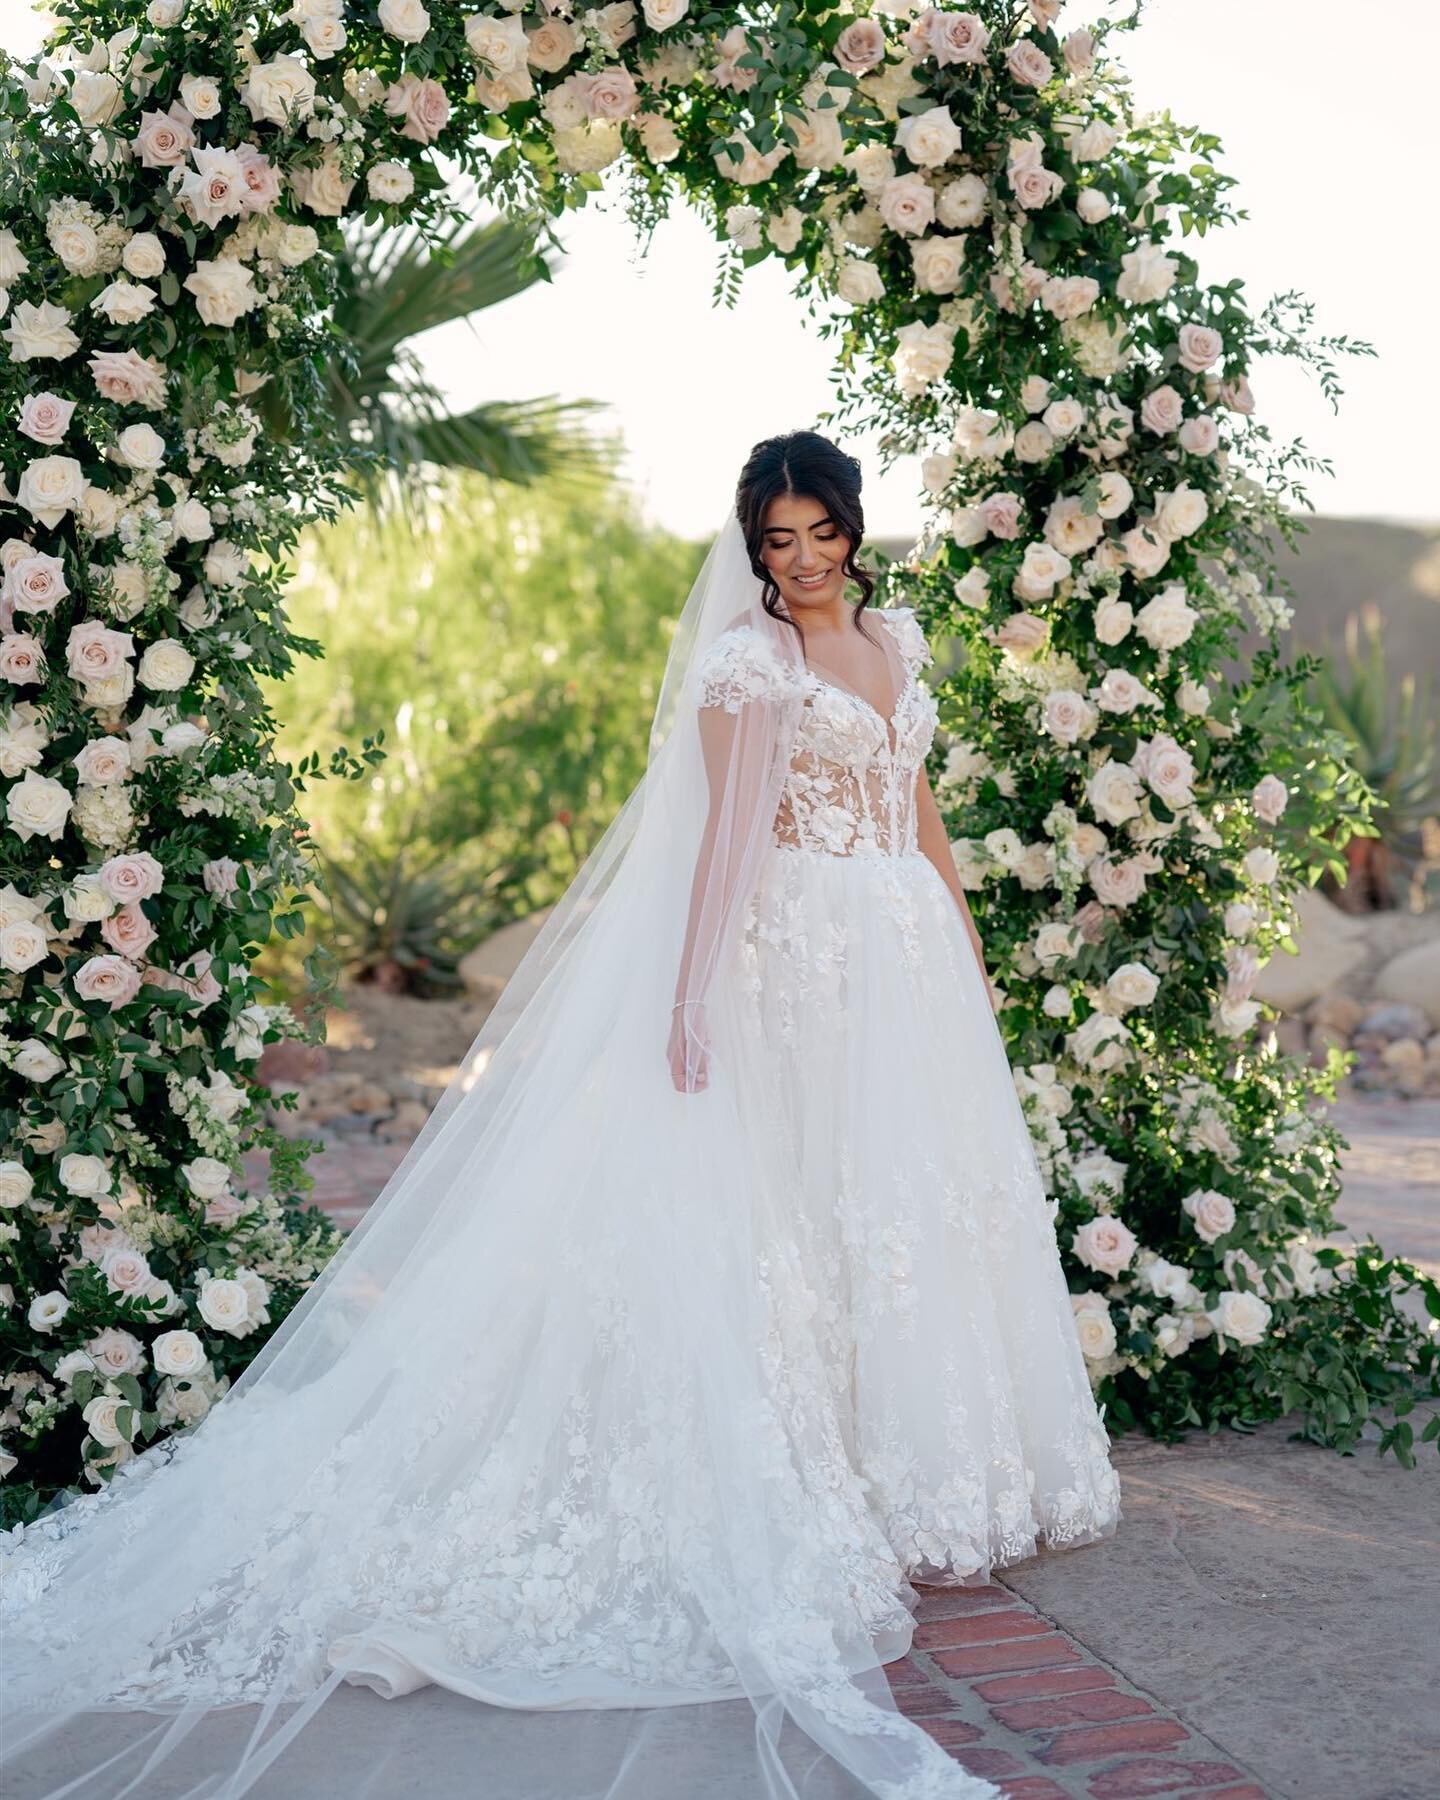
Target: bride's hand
pixel 688 1049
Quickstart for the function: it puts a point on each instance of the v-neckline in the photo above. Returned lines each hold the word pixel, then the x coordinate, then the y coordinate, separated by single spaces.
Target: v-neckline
pixel 843 687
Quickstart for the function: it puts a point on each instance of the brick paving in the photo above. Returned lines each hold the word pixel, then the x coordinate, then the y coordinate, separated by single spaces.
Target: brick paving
pixel 1028 1707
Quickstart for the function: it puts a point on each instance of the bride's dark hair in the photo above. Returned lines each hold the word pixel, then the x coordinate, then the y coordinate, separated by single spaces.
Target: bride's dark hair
pixel 803 462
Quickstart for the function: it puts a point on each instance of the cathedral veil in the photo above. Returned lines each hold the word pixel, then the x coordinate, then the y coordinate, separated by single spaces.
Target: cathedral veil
pixel 517 1442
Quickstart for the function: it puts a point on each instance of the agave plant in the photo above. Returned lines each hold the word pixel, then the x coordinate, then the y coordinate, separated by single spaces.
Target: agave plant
pixel 401 918
pixel 1392 723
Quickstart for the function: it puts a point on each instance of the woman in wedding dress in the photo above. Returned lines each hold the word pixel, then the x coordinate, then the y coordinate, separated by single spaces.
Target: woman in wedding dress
pixel 718 1303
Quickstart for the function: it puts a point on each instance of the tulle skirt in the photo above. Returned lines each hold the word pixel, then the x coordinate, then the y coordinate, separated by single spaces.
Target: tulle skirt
pixel 665 1398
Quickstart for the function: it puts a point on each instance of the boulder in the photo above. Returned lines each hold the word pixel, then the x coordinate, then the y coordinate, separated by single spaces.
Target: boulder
pixel 486 968
pixel 1395 1019
pixel 1414 977
pixel 1331 945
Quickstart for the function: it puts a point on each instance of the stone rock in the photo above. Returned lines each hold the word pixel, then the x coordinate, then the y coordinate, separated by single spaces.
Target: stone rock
pixel 1290 1037
pixel 1397 1019
pixel 1337 1012
pixel 1331 945
pixel 1404 1053
pixel 487 967
pixel 1414 978
pixel 370 1097
pixel 409 1117
pixel 291 1063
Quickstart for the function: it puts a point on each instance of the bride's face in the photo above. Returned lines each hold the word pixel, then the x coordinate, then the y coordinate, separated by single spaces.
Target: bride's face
pixel 803 548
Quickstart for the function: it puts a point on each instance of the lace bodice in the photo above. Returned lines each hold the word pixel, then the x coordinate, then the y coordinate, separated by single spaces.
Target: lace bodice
pixel 850 787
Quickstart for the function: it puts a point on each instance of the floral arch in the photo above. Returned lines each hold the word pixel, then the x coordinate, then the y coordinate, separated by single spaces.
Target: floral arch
pixel 1002 246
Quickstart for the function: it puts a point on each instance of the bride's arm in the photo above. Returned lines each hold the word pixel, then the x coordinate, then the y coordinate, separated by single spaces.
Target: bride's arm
pixel 934 843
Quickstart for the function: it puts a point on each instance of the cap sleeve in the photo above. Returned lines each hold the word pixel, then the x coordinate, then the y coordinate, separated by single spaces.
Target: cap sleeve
pixel 738 667
pixel 913 644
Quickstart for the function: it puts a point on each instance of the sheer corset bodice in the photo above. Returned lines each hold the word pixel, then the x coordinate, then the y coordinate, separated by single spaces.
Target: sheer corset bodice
pixel 850 786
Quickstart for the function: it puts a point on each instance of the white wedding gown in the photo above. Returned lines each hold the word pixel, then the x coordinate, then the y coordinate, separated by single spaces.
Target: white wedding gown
pixel 670 1394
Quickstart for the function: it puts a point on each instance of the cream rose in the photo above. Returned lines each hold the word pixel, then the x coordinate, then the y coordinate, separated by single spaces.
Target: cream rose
pixel 278 91
pixel 1167 621
pixel 1241 1316
pixel 179 1353
pixel 1067 716
pixel 223 290
pixel 224 1305
pixel 166 666
pixel 36 806
pixel 108 978
pixel 1105 1244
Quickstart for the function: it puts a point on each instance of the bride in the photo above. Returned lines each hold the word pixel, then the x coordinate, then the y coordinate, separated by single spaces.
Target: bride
pixel 717 1303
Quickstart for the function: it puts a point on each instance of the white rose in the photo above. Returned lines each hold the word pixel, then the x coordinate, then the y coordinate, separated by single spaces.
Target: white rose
pixel 1041 569
pixel 51 486
pixel 34 1060
pixel 1147 550
pixel 179 1353
pixel 1064 416
pixel 102 1417
pixel 1181 511
pixel 1067 716
pixel 97 97
pixel 929 138
pixel 140 447
pixel 1132 984
pixel 1261 864
pixel 1092 206
pixel 1269 797
pixel 1168 620
pixel 224 1305
pixel 1102 1043
pixel 1113 620
pixel 1146 274
pixel 84 1174
pixel 279 90
pixel 166 665
pixel 206 1176
pixel 389 183
pixel 406 20
pixel 1034 442
pixel 1093 1327
pixel 937 262
pixel 1199 347
pixel 1211 1213
pixel 1056 942
pixel 223 290
pixel 200 95
pixel 16 1183
pixel 1244 1317
pixel 36 806
pixel 1114 793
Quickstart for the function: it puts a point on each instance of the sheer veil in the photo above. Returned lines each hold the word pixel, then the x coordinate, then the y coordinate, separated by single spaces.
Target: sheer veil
pixel 519 1442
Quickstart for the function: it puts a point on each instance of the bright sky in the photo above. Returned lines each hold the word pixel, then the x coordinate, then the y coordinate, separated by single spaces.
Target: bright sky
pixel 1326 115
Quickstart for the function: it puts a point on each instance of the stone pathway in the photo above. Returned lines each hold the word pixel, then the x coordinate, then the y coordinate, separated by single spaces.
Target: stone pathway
pixel 1254 1583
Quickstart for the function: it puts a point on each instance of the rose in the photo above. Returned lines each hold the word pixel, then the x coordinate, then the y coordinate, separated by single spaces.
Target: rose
pixel 206 1176
pixel 1236 395
pixel 499 44
pixel 1041 569
pixel 1261 865
pixel 124 302
pixel 46 417
pixel 608 93
pixel 1094 1328
pixel 47 1310
pixel 1035 867
pixel 108 978
pixel 1167 621
pixel 551 45
pixel 1211 1213
pixel 125 1269
pixel 1095 142
pixel 36 584
pixel 131 876
pixel 126 377
pixel 102 1418
pixel 16 1183
pixel 223 290
pixel 973 588
pixel 128 932
pixel 405 20
pixel 389 183
pixel 95 652
pixel 1245 1317
pixel 929 138
pixel 937 262
pixel 23 944
pixel 179 1353
pixel 1079 51
pixel 1034 442
pixel 423 105
pixel 1116 884
pixel 1162 410
pixel 163 140
pixel 1169 770
pixel 1055 943
pixel 1113 619
pixel 22 658
pixel 278 91
pixel 1101 1044
pixel 1092 205
pixel 1114 793
pixel 323 185
pixel 200 95
pixel 1146 550
pixel 1199 347
pixel 955 37
pixel 13 261
pixel 36 806
pixel 115 1352
pixel 1000 514
pixel 1181 511
pixel 1028 64
pixel 1067 716
pixel 1146 274
pixel 96 96
pixel 224 1305
pixel 859 47
pixel 1063 417
pixel 860 283
pixel 1023 634
pixel 166 666
pixel 872 166
pixel 907 205
pixel 40 331
pixel 1121 692
pixel 962 203
pixel 1105 1244
pixel 1269 797
pixel 1068 296
pixel 1199 436
pixel 1070 529
pixel 1132 984
pixel 50 487
pixel 83 1174
pixel 140 447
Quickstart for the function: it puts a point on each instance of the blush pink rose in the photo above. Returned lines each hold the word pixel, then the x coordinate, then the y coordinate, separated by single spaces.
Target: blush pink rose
pixel 128 932
pixel 607 93
pixel 1200 347
pixel 46 417
pixel 133 875
pixel 195 978
pixel 1200 436
pixel 1001 514
pixel 22 658
pixel 860 46
pixel 128 378
pixel 1161 410
pixel 164 138
pixel 95 651
pixel 219 875
pixel 108 978
pixel 260 180
pixel 423 105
